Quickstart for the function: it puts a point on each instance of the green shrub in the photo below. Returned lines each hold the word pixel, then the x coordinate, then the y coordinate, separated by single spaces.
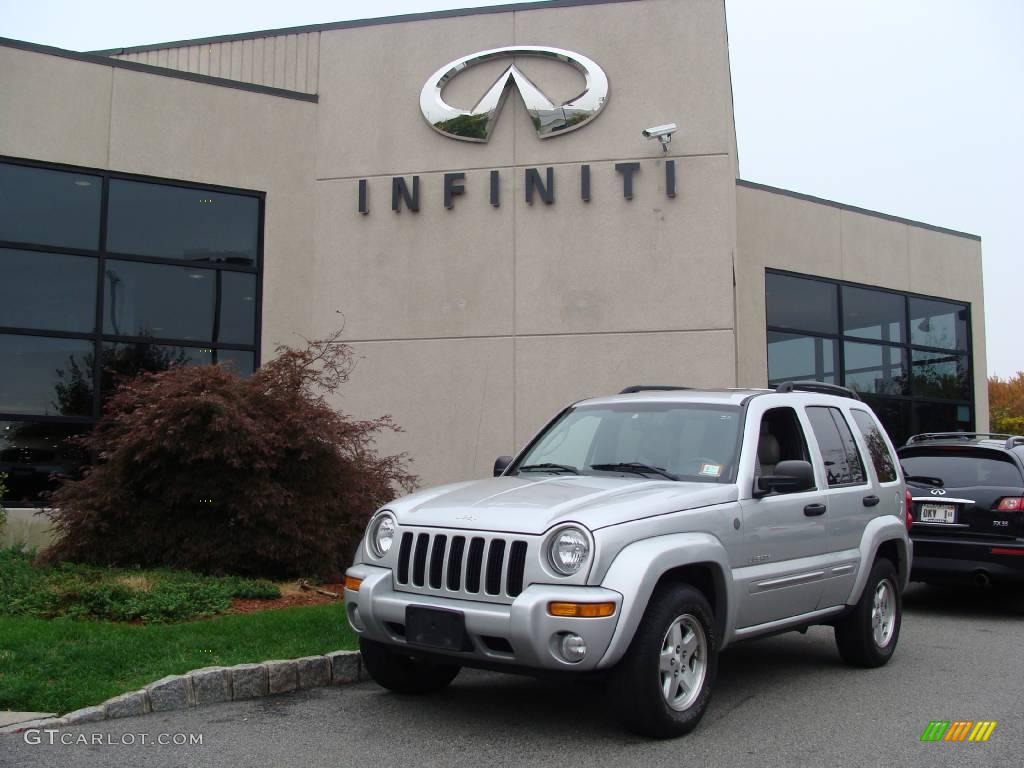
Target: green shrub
pixel 3 492
pixel 206 471
pixel 87 592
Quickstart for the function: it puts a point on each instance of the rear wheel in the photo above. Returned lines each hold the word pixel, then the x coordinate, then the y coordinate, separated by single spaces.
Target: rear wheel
pixel 867 635
pixel 663 685
pixel 404 674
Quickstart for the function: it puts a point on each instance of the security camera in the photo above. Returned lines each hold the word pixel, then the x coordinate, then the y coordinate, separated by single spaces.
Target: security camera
pixel 662 133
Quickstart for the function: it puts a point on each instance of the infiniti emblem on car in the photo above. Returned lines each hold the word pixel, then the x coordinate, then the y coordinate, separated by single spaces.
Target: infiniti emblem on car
pixel 938 491
pixel 548 118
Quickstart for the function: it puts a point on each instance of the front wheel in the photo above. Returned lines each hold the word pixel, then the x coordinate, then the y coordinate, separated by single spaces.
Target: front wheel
pixel 404 674
pixel 867 635
pixel 663 685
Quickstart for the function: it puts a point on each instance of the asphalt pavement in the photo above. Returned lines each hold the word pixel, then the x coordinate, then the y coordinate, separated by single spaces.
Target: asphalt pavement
pixel 783 701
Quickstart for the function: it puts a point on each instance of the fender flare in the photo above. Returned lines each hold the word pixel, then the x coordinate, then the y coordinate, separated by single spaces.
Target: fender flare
pixel 637 568
pixel 878 532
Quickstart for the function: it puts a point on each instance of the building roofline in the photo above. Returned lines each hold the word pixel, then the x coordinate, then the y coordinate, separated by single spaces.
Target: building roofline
pixel 855 209
pixel 106 61
pixel 355 23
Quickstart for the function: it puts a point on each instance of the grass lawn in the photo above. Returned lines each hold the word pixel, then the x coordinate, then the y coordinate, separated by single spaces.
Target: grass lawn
pixel 58 665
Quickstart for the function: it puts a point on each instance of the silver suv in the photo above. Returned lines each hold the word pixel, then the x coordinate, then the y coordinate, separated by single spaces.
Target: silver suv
pixel 634 538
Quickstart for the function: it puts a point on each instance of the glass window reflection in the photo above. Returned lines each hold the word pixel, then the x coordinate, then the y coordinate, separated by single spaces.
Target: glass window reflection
pixel 237 308
pixel 158 300
pixel 34 455
pixel 941 375
pixel 874 368
pixel 938 324
pixel 46 377
pixel 801 358
pixel 876 315
pixel 47 291
pixel 49 207
pixel 173 222
pixel 801 304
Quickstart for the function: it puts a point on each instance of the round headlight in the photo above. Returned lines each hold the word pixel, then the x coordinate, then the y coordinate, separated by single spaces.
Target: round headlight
pixel 569 551
pixel 382 535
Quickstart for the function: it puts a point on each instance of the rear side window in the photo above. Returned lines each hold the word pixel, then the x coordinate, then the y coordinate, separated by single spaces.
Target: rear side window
pixel 960 468
pixel 843 464
pixel 882 460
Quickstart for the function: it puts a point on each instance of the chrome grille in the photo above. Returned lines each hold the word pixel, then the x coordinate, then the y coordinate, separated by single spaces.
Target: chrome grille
pixel 476 565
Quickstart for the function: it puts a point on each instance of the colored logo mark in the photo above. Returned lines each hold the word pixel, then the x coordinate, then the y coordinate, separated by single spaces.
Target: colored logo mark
pixel 958 730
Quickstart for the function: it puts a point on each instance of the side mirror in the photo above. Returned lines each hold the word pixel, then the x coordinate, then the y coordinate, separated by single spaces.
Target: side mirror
pixel 501 464
pixel 790 477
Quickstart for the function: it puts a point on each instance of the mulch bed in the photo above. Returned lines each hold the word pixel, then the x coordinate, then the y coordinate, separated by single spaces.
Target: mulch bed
pixel 288 599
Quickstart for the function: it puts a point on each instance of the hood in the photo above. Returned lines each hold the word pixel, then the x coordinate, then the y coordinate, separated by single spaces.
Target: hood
pixel 531 505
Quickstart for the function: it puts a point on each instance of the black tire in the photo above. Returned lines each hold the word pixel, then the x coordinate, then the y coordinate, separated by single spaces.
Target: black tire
pixel 400 673
pixel 635 690
pixel 855 632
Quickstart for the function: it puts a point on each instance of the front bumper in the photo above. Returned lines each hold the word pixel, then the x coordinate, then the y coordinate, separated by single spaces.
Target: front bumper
pixel 521 634
pixel 945 558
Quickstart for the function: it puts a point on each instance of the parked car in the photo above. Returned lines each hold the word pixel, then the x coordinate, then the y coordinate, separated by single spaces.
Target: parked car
pixel 967 492
pixel 634 538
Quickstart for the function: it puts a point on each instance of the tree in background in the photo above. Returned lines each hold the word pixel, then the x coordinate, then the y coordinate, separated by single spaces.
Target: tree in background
pixel 1006 404
pixel 202 469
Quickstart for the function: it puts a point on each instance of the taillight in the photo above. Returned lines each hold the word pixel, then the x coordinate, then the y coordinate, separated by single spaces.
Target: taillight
pixel 1010 504
pixel 909 510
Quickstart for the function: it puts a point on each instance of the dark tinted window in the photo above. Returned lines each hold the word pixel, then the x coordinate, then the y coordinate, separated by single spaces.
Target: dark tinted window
pixel 802 305
pixel 874 315
pixel 30 453
pixel 795 358
pixel 881 459
pixel 47 207
pixel 938 324
pixel 47 291
pixel 237 308
pixel 876 369
pixel 159 300
pixel 126 360
pixel 182 223
pixel 941 417
pixel 46 377
pixel 961 468
pixel 941 375
pixel 242 363
pixel 838 448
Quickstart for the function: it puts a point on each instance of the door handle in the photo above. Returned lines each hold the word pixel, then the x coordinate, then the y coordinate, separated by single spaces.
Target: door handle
pixel 813 510
pixel 870 501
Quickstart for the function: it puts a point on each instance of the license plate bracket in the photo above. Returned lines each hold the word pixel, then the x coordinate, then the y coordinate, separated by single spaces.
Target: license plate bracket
pixel 938 513
pixel 436 628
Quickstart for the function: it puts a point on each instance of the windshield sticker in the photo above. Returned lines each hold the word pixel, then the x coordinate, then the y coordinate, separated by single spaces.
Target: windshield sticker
pixel 710 470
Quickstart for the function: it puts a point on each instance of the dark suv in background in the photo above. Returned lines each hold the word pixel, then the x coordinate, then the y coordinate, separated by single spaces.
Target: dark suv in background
pixel 968 506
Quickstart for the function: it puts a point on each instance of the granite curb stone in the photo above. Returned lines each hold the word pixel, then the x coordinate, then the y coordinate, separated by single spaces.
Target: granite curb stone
pixel 210 685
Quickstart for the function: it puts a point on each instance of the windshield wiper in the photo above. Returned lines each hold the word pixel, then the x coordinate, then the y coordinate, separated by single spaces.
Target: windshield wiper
pixel 549 467
pixel 634 466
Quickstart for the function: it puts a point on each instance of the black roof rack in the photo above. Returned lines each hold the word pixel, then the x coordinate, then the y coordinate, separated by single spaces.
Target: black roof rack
pixel 1011 440
pixel 816 386
pixel 650 388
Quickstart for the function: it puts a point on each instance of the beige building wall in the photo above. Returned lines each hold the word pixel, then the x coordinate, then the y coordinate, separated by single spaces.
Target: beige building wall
pixel 477 324
pixel 776 230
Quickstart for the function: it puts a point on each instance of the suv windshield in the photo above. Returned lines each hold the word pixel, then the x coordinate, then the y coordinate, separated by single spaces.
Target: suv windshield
pixel 675 441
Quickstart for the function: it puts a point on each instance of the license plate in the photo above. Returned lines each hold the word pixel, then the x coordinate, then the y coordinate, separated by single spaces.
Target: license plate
pixel 938 513
pixel 435 628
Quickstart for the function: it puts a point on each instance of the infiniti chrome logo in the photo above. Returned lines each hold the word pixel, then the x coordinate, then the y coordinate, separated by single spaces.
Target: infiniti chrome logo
pixel 938 491
pixel 548 118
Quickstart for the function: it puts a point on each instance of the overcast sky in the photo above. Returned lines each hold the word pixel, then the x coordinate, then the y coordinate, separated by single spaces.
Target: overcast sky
pixel 911 107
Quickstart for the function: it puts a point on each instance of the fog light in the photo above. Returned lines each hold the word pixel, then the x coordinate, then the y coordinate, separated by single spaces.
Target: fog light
pixel 573 648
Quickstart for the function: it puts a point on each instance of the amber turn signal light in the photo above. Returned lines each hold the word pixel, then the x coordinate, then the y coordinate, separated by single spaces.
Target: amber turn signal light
pixel 582 610
pixel 351 582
